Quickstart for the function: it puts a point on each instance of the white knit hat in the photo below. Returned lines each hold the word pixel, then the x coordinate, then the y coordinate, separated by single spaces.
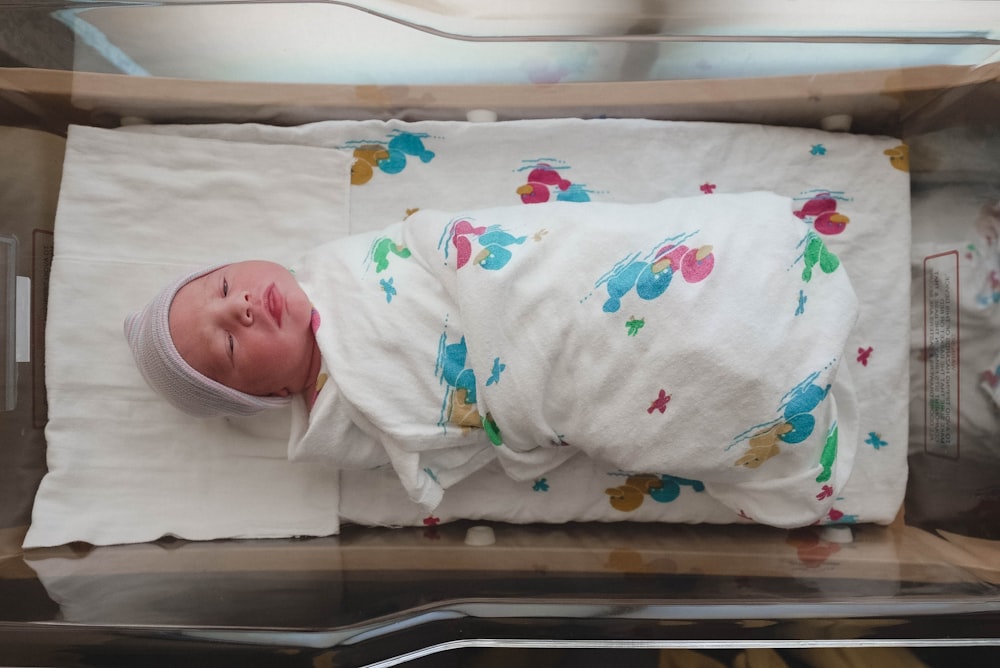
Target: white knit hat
pixel 148 334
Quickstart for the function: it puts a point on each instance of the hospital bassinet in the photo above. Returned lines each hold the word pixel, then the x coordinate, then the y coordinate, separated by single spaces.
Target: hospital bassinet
pixel 252 90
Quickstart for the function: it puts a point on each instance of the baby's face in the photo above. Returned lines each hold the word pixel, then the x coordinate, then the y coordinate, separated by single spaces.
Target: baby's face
pixel 248 326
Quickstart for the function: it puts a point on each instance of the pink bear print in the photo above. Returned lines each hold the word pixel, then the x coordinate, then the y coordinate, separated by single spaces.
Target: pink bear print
pixel 545 179
pixel 821 208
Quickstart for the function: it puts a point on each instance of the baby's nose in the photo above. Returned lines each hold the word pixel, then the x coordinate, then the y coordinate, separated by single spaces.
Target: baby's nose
pixel 243 309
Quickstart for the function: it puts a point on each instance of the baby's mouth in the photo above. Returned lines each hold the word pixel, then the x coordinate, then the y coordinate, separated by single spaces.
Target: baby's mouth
pixel 274 303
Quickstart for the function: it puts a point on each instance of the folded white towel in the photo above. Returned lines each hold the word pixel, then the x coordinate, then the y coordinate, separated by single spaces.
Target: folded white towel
pixel 135 211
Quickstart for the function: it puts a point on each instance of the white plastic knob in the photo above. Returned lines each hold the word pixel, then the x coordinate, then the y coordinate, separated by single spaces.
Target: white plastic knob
pixel 480 536
pixel 481 116
pixel 837 123
pixel 837 533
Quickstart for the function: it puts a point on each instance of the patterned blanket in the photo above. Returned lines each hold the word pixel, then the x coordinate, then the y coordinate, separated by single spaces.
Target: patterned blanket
pixel 698 338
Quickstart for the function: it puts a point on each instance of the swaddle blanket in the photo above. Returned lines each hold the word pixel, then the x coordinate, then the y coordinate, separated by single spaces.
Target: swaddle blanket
pixel 694 337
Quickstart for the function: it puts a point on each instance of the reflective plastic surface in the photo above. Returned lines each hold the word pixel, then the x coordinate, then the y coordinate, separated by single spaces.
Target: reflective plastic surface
pixel 379 596
pixel 410 43
pixel 375 594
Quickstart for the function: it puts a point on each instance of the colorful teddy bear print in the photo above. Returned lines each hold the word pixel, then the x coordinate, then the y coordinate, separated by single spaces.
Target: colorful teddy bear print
pixel 493 242
pixel 660 488
pixel 390 158
pixel 821 209
pixel 460 400
pixel 459 407
pixel 899 157
pixel 381 250
pixel 543 180
pixel 817 254
pixel 795 426
pixel 652 278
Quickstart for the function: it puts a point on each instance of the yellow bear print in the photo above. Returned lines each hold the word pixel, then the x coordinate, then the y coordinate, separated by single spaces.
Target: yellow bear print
pixel 899 157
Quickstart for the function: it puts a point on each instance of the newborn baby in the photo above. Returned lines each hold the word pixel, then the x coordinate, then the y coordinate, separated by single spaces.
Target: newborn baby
pixel 696 337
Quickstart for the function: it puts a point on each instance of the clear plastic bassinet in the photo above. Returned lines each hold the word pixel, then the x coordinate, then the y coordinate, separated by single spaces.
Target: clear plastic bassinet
pixel 470 591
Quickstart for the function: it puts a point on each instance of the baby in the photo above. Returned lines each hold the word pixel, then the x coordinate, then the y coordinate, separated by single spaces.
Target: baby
pixel 229 340
pixel 696 337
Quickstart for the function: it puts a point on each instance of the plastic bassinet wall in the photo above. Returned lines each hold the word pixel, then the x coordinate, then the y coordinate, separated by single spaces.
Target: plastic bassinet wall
pixel 925 72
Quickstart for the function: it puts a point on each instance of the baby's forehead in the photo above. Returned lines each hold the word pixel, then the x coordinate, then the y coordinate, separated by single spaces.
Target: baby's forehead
pixel 189 329
pixel 193 288
pixel 188 304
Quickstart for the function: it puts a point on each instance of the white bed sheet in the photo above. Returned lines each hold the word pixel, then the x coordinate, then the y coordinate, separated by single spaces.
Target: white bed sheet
pixel 450 165
pixel 645 161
